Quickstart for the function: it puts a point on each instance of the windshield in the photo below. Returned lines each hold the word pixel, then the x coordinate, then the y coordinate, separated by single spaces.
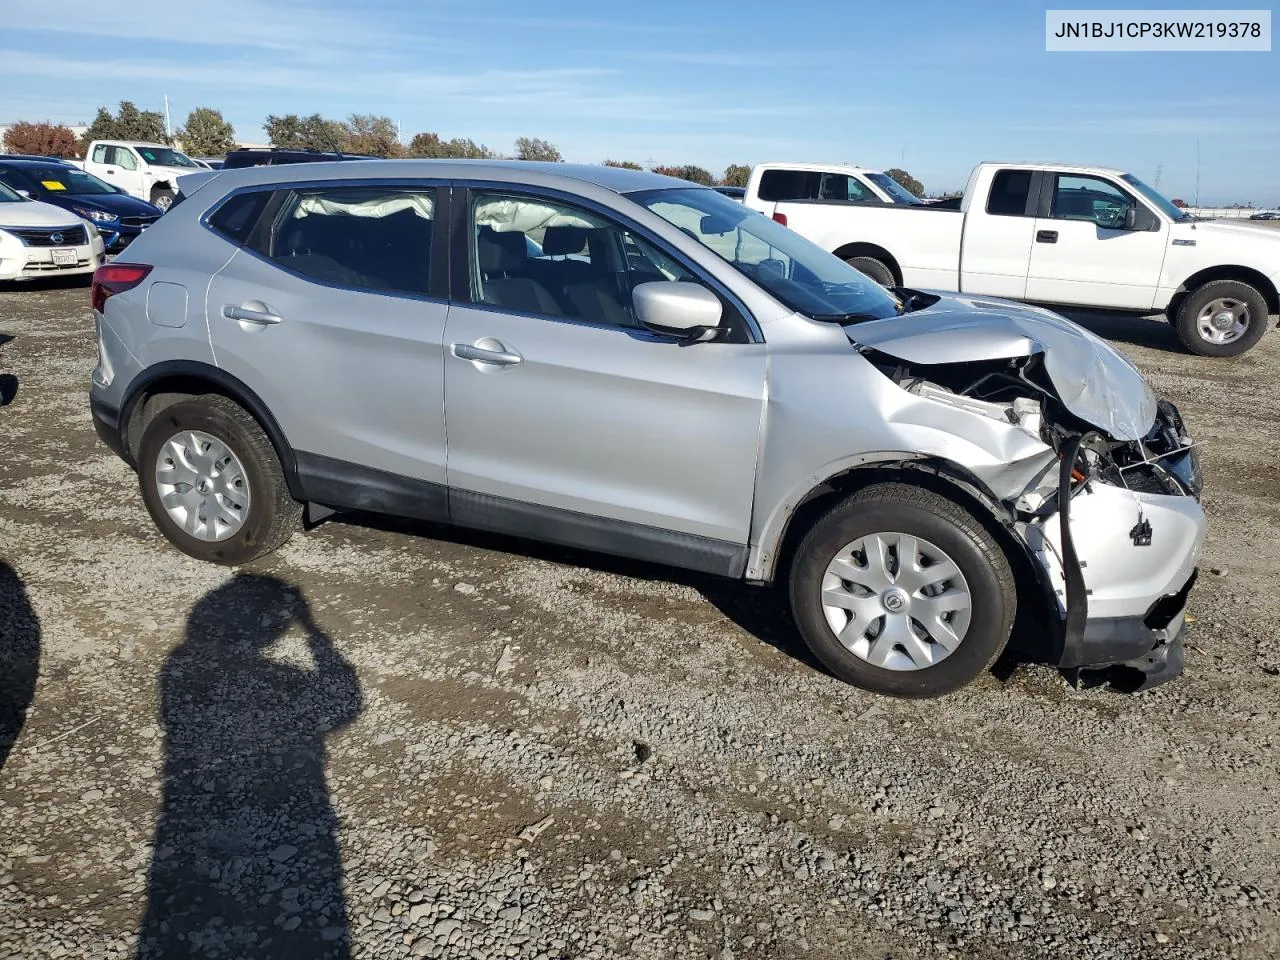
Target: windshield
pixel 166 157
pixel 8 195
pixel 892 187
pixel 1164 206
pixel 798 273
pixel 71 181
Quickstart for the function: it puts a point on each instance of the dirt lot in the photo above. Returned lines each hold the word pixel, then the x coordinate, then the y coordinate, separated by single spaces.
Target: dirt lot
pixel 402 742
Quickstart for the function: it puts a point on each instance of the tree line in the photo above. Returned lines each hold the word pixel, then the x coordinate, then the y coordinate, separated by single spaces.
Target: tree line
pixel 207 134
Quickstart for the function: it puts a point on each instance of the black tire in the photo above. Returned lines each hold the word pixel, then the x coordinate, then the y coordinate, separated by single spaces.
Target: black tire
pixel 1185 317
pixel 273 514
pixel 875 269
pixel 162 197
pixel 905 509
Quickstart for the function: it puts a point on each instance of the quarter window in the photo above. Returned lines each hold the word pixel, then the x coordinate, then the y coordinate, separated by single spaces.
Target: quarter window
pixel 780 186
pixel 373 238
pixel 548 258
pixel 1009 191
pixel 237 217
pixel 1089 198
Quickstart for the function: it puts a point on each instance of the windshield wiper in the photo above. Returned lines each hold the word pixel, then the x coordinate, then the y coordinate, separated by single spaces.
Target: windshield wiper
pixel 845 317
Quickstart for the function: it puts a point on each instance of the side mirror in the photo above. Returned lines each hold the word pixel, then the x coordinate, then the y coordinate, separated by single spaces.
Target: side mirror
pixel 1130 216
pixel 24 193
pixel 681 309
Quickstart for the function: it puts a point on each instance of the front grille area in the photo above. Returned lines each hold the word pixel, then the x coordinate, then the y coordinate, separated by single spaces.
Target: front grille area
pixel 43 236
pixel 137 221
pixel 48 266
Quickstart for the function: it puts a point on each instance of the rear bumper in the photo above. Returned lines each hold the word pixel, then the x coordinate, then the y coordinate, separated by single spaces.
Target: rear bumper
pixel 106 424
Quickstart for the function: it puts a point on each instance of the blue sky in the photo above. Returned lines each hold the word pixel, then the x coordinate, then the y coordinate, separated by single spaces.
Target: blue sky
pixel 932 86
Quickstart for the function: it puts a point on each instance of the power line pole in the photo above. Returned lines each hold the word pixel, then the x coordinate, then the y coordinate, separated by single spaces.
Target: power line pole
pixel 1159 174
pixel 167 131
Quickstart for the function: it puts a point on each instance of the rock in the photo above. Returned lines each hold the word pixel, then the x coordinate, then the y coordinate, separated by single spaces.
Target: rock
pixel 702 915
pixel 444 928
pixel 534 830
pixel 420 911
pixel 283 853
pixel 506 662
pixel 464 587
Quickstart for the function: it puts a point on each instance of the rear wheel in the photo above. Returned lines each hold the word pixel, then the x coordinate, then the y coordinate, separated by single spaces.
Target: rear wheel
pixel 875 269
pixel 901 591
pixel 162 197
pixel 1222 318
pixel 212 482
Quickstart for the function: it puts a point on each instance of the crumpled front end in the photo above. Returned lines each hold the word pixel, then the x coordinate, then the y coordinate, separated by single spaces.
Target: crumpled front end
pixel 1106 498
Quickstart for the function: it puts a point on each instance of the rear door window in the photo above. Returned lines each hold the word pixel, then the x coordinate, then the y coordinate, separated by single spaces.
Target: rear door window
pixel 780 186
pixel 375 238
pixel 842 188
pixel 1009 192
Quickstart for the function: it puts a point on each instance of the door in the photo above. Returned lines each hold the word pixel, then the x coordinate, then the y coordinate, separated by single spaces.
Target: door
pixel 129 172
pixel 995 249
pixel 332 311
pixel 1085 254
pixel 566 419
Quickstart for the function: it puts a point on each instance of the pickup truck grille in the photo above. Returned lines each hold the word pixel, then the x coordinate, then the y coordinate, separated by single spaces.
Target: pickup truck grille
pixel 137 221
pixel 43 236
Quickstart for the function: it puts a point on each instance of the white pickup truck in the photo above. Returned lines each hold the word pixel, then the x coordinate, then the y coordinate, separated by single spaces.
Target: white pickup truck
pixel 148 171
pixel 1054 234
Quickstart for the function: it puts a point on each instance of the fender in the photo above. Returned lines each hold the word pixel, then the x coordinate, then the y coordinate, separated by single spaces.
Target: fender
pixel 192 376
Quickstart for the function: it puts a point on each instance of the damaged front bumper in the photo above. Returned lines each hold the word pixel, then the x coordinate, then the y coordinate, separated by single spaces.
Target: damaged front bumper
pixel 1121 563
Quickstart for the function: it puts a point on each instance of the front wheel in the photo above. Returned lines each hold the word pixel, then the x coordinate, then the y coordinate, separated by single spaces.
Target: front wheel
pixel 212 482
pixel 903 592
pixel 1222 318
pixel 162 197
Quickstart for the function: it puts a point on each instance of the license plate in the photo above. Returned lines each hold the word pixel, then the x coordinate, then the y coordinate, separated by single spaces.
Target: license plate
pixel 64 257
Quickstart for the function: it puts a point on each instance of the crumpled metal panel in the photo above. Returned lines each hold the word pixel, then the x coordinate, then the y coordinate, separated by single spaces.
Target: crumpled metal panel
pixel 1094 381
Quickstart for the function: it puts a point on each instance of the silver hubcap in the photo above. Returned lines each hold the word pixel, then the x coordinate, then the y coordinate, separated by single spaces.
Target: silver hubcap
pixel 202 486
pixel 896 601
pixel 1223 320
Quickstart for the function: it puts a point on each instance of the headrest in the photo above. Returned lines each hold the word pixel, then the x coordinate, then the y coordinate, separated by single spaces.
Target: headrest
pixel 500 252
pixel 562 241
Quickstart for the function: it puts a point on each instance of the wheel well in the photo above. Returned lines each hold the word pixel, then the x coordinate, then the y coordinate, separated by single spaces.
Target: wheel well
pixel 939 477
pixel 149 400
pixel 1253 278
pixel 850 250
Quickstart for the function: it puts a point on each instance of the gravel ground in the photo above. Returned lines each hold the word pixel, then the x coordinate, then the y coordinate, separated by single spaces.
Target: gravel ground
pixel 391 741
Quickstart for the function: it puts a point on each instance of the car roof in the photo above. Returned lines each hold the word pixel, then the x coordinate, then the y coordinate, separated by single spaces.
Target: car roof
pixel 530 172
pixel 1057 167
pixel 818 167
pixel 33 162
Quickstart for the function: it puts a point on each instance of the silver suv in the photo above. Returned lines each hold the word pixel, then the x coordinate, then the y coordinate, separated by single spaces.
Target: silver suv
pixel 632 364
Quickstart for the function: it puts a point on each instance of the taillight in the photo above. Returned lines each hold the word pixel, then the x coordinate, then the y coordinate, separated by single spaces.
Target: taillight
pixel 780 218
pixel 113 278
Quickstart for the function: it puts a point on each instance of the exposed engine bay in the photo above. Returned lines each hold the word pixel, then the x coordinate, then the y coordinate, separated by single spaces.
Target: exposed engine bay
pixel 1089 507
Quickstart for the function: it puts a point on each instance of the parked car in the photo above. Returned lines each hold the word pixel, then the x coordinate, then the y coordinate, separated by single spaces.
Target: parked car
pixel 670 377
pixel 36 156
pixel 1076 236
pixel 41 240
pixel 736 193
pixel 148 171
pixel 210 163
pixel 118 216
pixel 1266 215
pixel 840 183
pixel 272 156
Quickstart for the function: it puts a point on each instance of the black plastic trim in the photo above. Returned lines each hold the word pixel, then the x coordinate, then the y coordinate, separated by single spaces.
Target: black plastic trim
pixel 348 486
pixel 565 527
pixel 224 383
pixel 1077 597
pixel 106 424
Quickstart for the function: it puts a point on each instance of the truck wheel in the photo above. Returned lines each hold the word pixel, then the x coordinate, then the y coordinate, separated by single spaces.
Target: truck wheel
pixel 874 269
pixel 212 482
pixel 162 197
pixel 901 591
pixel 1222 318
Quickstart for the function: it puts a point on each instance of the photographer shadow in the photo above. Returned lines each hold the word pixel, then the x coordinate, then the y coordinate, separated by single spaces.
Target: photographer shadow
pixel 246 860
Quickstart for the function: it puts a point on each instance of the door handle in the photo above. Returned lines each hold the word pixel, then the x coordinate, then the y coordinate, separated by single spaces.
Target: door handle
pixel 1047 236
pixel 497 355
pixel 252 316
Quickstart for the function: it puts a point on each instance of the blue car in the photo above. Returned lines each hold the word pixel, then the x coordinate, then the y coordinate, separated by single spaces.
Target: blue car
pixel 118 216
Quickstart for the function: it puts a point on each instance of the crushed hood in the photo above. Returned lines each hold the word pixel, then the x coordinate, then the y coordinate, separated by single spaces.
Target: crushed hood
pixel 1093 380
